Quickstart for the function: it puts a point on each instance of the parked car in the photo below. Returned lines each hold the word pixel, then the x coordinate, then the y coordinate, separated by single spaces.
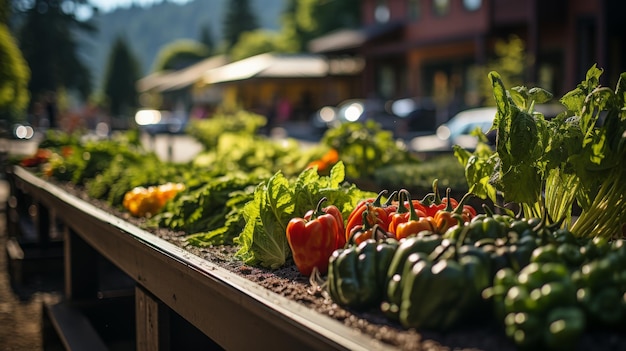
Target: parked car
pixel 457 131
pixel 19 131
pixel 353 110
pixel 402 117
pixel 418 116
pixel 160 122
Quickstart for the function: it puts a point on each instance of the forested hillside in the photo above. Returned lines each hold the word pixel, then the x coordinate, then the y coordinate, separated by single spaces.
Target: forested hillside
pixel 148 29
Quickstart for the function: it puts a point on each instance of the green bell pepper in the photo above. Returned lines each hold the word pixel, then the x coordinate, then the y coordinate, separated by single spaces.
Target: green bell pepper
pixel 357 274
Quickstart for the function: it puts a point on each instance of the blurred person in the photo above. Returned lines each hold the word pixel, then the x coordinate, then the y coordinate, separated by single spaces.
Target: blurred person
pixel 51 110
pixel 283 109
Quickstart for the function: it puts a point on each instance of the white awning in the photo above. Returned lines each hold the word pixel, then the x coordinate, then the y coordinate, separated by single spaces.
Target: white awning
pixel 174 80
pixel 270 65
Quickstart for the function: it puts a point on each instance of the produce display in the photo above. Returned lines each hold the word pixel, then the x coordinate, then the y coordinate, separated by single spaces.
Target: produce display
pixel 142 202
pixel 544 258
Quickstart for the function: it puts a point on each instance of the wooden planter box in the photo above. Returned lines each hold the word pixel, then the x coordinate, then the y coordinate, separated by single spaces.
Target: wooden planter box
pixel 177 297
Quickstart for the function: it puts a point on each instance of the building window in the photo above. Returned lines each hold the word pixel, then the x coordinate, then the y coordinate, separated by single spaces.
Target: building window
pixel 472 5
pixel 381 12
pixel 386 81
pixel 441 7
pixel 414 10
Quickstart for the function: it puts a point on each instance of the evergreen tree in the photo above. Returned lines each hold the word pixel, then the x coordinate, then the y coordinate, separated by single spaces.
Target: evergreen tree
pixel 14 76
pixel 5 11
pixel 237 20
pixel 48 44
pixel 304 20
pixel 206 38
pixel 120 78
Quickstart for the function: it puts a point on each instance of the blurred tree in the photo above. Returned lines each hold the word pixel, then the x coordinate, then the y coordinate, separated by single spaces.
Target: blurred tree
pixel 14 76
pixel 5 11
pixel 304 20
pixel 258 42
pixel 180 54
pixel 509 60
pixel 206 38
pixel 47 40
pixel 336 14
pixel 237 20
pixel 298 24
pixel 120 78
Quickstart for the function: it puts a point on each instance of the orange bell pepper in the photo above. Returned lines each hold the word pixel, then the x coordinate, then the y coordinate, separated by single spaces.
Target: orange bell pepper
pixel 447 218
pixel 414 223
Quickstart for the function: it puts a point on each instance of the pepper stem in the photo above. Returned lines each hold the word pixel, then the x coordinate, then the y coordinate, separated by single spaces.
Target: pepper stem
pixel 459 207
pixel 449 207
pixel 318 209
pixel 437 198
pixel 413 216
pixel 378 198
pixel 402 197
pixel 391 198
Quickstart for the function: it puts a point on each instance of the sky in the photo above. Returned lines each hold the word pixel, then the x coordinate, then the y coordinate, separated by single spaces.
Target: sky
pixel 109 5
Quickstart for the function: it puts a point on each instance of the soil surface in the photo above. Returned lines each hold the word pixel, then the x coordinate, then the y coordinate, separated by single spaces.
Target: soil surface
pixel 23 316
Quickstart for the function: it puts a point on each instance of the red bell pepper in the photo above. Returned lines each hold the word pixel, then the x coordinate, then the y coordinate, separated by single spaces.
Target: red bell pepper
pixel 432 202
pixel 334 211
pixel 313 240
pixel 378 213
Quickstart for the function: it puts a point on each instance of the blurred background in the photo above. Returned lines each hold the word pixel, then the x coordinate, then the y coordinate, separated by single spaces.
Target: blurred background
pixel 306 65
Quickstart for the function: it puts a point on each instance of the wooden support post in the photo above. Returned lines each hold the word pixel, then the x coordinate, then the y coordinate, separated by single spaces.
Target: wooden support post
pixel 42 224
pixel 152 321
pixel 81 267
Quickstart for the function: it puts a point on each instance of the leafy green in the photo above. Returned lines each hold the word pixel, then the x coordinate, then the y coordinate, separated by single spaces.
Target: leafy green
pixel 548 166
pixel 252 153
pixel 233 224
pixel 419 175
pixel 365 147
pixel 204 208
pixel 208 131
pixel 479 168
pixel 263 240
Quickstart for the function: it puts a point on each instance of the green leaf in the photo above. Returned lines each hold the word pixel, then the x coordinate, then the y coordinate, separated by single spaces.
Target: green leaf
pixel 305 193
pixel 337 174
pixel 539 95
pixel 521 184
pixel 276 209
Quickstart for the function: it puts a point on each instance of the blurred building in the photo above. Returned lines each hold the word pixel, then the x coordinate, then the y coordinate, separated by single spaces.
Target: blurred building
pixel 417 48
pixel 286 86
pixel 281 86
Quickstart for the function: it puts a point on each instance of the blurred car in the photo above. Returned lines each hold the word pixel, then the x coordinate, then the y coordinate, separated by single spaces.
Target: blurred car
pixel 457 131
pixel 353 110
pixel 23 131
pixel 160 122
pixel 401 116
pixel 418 116
pixel 18 131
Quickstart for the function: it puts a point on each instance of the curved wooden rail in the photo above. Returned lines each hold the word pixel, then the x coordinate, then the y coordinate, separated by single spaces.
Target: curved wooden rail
pixel 233 312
